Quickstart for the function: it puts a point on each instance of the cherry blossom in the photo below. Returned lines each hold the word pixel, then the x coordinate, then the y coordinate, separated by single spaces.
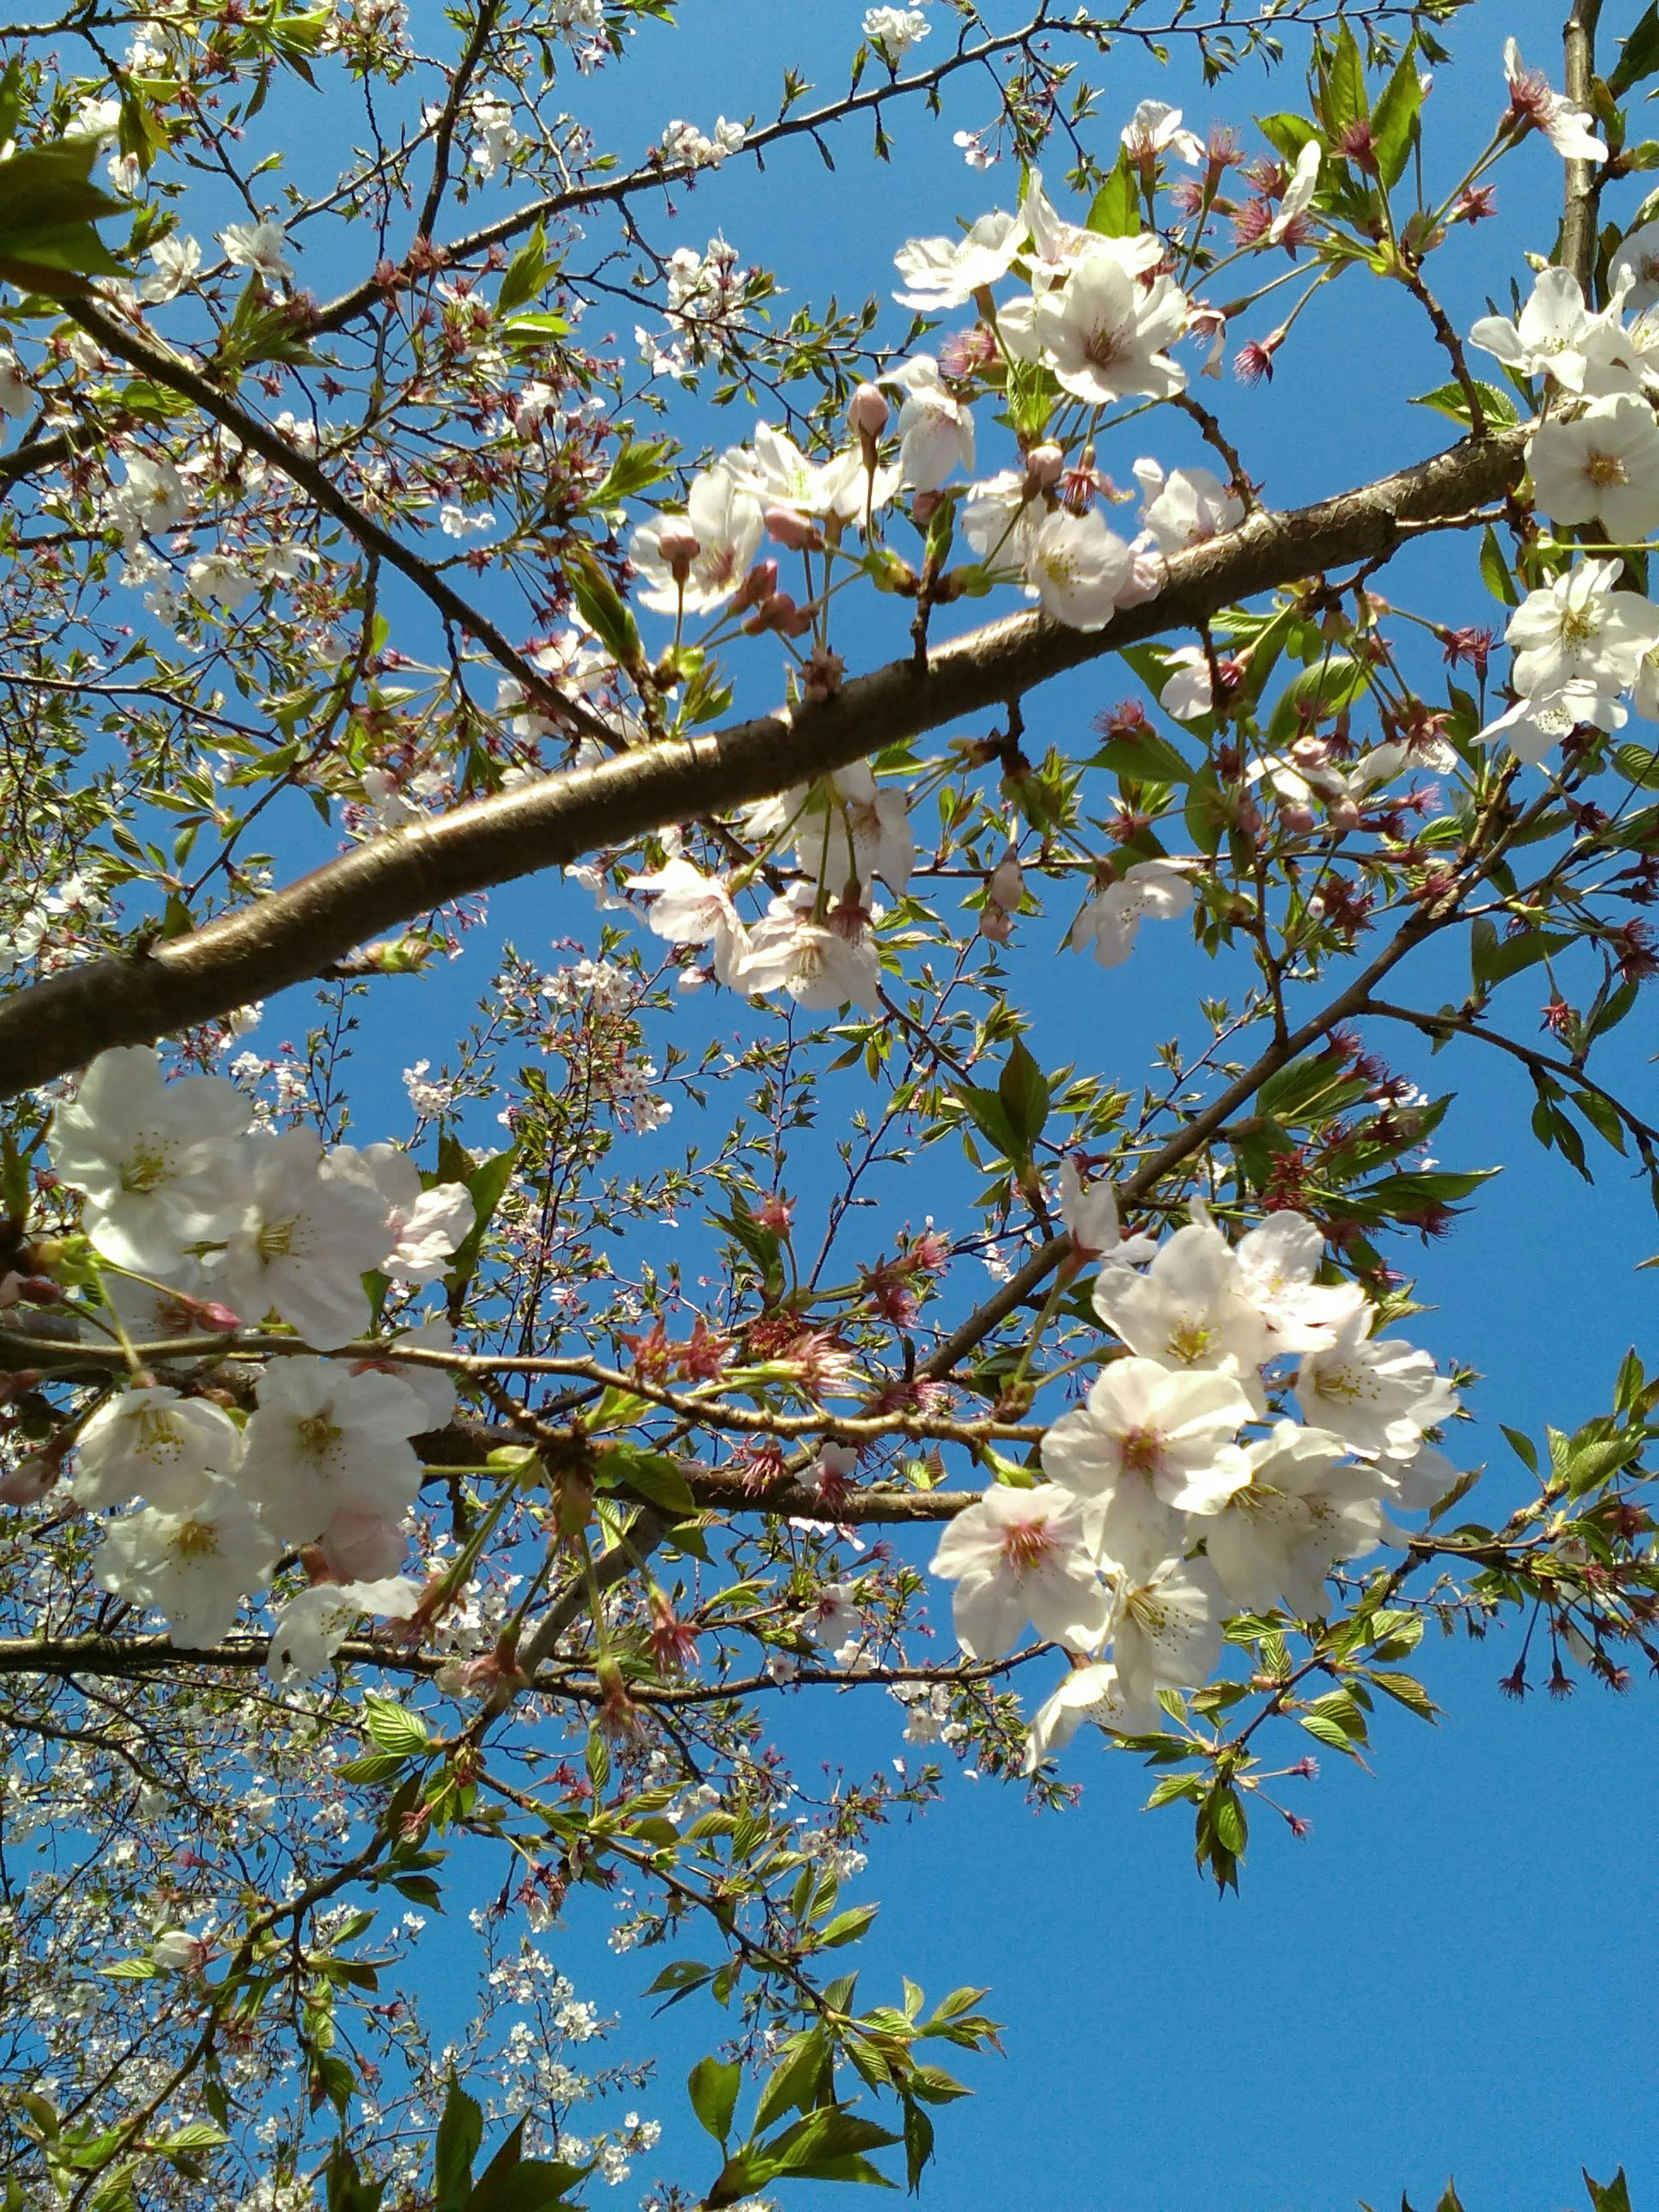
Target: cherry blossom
pixel 1532 103
pixel 323 1437
pixel 1087 1693
pixel 848 827
pixel 1022 1555
pixel 1582 629
pixel 1277 1264
pixel 698 560
pixel 1154 129
pixel 1149 1443
pixel 1076 569
pixel 161 1164
pixel 153 1444
pixel 315 1224
pixel 1303 1510
pixel 1298 193
pixel 935 430
pixel 261 246
pixel 1533 727
pixel 1635 268
pixel 1166 1635
pixel 361 1545
pixel 999 518
pixel 1157 890
pixel 422 1227
pixel 1105 333
pixel 196 1567
pixel 942 273
pixel 1191 1308
pixel 1089 1214
pixel 1557 335
pixel 1189 693
pixel 313 1624
pixel 824 964
pixel 1377 1393
pixel 689 908
pixel 1603 465
pixel 894 31
pixel 1185 507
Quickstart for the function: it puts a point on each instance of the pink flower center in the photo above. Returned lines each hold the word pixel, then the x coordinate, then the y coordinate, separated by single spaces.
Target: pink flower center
pixel 1143 1450
pixel 1027 1545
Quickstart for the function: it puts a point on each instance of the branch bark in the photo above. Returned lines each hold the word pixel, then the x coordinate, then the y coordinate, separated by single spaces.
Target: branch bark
pixel 55 1026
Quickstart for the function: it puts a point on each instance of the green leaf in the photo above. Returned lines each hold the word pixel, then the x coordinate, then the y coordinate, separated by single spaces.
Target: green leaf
pixel 1406 1690
pixel 681 1979
pixel 47 210
pixel 1615 2196
pixel 985 1109
pixel 1024 1091
pixel 1325 1730
pixel 1639 57
pixel 394 1729
pixel 1394 120
pixel 1638 764
pixel 130 1970
pixel 1451 400
pixel 655 1476
pixel 1115 212
pixel 533 2186
pixel 1493 959
pixel 1342 85
pixel 794 2081
pixel 461 2131
pixel 486 1185
pixel 636 469
pixel 1523 1448
pixel 1450 2202
pixel 1143 758
pixel 1495 570
pixel 846 1927
pixel 603 608
pixel 1286 134
pixel 1313 695
pixel 713 2085
pixel 526 273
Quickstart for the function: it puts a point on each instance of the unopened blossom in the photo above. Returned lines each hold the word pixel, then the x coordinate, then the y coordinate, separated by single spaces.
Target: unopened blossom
pixel 1185 507
pixel 1582 629
pixel 1155 129
pixel 1190 1309
pixel 1635 269
pixel 1087 1693
pixel 1088 1212
pixel 1532 103
pixel 422 1227
pixel 1159 891
pixel 261 246
pixel 1298 193
pixel 194 1568
pixel 315 1224
pixel 323 1437
pixel 894 31
pixel 161 1165
pixel 1018 1556
pixel 150 1443
pixel 1603 465
pixel 1104 332
pixel 314 1624
pixel 1305 1507
pixel 1277 1264
pixel 1377 1393
pixel 1077 569
pixel 1150 1442
pixel 1166 1635
pixel 942 273
pixel 1533 726
pixel 176 1951
pixel 725 524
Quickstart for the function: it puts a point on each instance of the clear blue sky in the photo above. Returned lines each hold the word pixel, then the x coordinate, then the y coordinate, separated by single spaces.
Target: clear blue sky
pixel 1451 1974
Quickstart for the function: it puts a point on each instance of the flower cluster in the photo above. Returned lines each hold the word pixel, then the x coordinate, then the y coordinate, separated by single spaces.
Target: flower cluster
pixel 1180 1492
pixel 197 1219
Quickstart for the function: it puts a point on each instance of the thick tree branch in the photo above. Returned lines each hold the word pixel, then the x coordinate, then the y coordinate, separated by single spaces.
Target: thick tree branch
pixel 58 1025
pixel 1584 178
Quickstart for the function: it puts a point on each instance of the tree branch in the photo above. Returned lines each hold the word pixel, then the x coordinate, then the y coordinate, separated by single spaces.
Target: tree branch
pixel 56 1025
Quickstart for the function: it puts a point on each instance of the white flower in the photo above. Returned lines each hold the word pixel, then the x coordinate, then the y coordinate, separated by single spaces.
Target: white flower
pixel 1022 1555
pixel 455 522
pixel 433 1385
pixel 1087 1693
pixel 261 246
pixel 1191 1308
pixel 161 1164
pixel 775 469
pixel 894 31
pixel 1166 1634
pixel 689 908
pixel 823 965
pixel 1533 727
pixel 999 518
pixel 1581 629
pixel 315 1226
pixel 217 576
pixel 323 1437
pixel 1378 1395
pixel 1187 507
pixel 1188 695
pixel 422 1227
pixel 193 1568
pixel 314 1624
pixel 493 121
pixel 1276 1539
pixel 178 260
pixel 725 521
pixel 15 398
pixel 176 1951
pixel 1089 1214
pixel 1634 269
pixel 1149 1444
pixel 363 1546
pixel 1076 569
pixel 1277 1264
pixel 1104 332
pixel 1602 465
pixel 1557 336
pixel 1155 129
pixel 935 431
pixel 941 273
pixel 151 1443
pixel 1147 889
pixel 1298 193
pixel 846 827
pixel 1566 127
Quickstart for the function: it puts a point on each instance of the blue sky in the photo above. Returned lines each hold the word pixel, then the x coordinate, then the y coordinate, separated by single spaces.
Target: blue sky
pixel 1450 1974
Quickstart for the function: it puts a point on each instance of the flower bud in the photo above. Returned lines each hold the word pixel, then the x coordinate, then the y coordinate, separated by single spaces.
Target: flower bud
pixel 995 923
pixel 759 584
pixel 679 546
pixel 1299 820
pixel 1045 464
pixel 1006 884
pixel 798 531
pixel 867 412
pixel 1344 814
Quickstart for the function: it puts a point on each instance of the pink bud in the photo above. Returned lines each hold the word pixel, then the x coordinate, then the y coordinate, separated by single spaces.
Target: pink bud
pixel 30 1479
pixel 1299 820
pixel 1344 814
pixel 867 412
pixel 1248 816
pixel 1006 885
pixel 798 531
pixel 757 586
pixel 995 923
pixel 363 1547
pixel 677 546
pixel 1044 467
pixel 924 507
